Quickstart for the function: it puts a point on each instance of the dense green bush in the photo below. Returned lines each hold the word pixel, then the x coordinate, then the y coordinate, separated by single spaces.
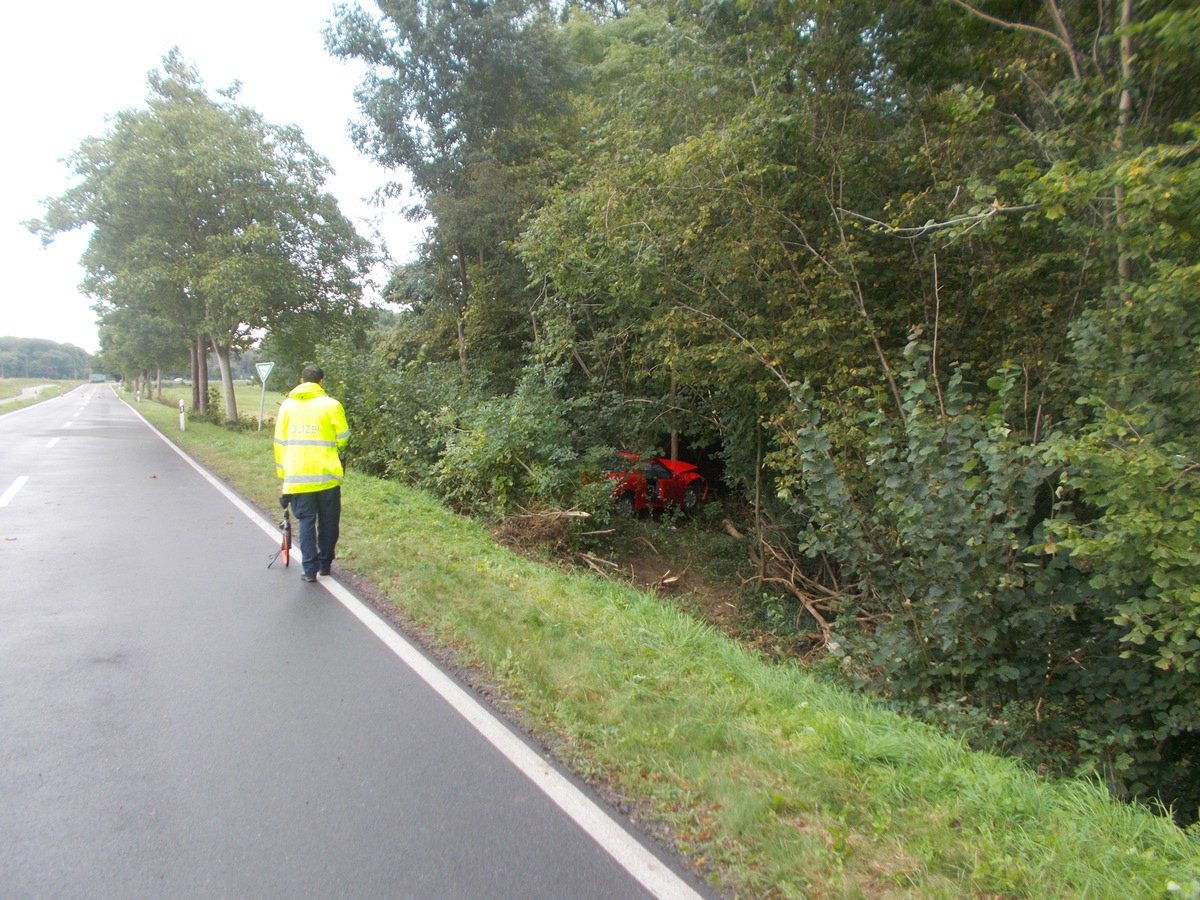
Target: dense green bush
pixel 962 604
pixel 508 450
pixel 1142 542
pixel 1129 522
pixel 418 421
pixel 735 197
pixel 392 404
pixel 1040 599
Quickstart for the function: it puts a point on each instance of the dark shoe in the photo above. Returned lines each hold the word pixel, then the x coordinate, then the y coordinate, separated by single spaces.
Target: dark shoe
pixel 324 570
pixel 309 578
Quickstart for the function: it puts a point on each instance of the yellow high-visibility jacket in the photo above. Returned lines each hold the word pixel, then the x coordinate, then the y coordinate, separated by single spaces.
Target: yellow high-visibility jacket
pixel 310 434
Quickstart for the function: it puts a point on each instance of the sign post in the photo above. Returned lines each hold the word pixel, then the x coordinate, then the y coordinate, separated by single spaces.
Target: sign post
pixel 264 372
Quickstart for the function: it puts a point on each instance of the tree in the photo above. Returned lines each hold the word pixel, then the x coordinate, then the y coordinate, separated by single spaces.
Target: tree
pixel 776 195
pixel 923 273
pixel 132 342
pixel 205 215
pixel 40 358
pixel 468 98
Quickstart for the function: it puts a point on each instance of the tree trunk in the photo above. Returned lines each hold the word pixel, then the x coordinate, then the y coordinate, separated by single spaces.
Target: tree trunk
pixel 674 406
pixel 202 372
pixel 464 296
pixel 1124 116
pixel 231 411
pixel 758 515
pixel 195 378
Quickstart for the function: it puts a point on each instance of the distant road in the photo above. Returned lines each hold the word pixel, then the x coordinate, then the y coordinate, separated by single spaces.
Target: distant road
pixel 177 720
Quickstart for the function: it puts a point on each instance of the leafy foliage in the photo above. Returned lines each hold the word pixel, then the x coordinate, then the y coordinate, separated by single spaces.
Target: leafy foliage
pixel 1140 543
pixel 206 221
pixel 509 450
pixel 798 232
pixel 962 601
pixel 38 358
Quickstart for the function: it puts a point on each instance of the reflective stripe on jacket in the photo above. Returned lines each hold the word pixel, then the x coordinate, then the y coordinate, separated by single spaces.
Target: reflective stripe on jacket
pixel 310 433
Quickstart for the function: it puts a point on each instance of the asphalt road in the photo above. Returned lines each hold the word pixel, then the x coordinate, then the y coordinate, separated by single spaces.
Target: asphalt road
pixel 177 720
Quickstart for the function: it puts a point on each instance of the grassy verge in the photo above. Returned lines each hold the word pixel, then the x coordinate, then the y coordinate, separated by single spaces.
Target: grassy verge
pixel 767 780
pixel 247 396
pixel 39 389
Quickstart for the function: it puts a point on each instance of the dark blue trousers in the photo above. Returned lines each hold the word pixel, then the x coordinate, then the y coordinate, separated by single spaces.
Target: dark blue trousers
pixel 319 515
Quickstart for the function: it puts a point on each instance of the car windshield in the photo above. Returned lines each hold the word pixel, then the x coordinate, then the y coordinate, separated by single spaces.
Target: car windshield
pixel 655 469
pixel 615 462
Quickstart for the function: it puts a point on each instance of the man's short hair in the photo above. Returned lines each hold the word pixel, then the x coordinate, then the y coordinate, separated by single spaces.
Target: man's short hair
pixel 312 374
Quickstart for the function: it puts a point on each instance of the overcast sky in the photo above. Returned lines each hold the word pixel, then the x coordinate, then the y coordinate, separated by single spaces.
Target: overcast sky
pixel 66 67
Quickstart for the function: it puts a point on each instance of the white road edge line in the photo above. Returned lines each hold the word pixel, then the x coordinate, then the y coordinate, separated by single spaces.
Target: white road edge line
pixel 12 490
pixel 627 851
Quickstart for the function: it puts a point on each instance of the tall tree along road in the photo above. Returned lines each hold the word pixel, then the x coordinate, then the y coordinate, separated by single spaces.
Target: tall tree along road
pixel 178 720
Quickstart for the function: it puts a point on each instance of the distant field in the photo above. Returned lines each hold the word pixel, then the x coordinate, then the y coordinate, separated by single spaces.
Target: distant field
pixel 247 395
pixel 19 392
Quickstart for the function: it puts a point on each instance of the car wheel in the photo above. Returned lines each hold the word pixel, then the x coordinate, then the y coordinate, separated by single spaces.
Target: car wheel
pixel 691 498
pixel 625 505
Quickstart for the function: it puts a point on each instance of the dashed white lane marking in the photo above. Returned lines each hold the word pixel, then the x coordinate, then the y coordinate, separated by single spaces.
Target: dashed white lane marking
pixel 654 875
pixel 53 441
pixel 12 490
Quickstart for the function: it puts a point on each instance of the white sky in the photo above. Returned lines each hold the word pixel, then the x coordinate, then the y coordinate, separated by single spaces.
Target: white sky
pixel 66 67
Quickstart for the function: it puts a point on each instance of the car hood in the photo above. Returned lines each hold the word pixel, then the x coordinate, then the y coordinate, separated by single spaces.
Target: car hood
pixel 677 467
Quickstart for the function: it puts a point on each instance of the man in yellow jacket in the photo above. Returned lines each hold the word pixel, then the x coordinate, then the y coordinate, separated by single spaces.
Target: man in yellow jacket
pixel 310 435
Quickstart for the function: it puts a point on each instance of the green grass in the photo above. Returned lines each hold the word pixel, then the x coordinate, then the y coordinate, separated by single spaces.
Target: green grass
pixel 247 396
pixel 769 781
pixel 10 388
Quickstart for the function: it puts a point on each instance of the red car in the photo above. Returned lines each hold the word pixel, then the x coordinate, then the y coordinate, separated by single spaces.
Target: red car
pixel 655 483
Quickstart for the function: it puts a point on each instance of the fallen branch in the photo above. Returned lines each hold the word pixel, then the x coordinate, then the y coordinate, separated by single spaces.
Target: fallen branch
pixel 786 568
pixel 807 602
pixel 554 514
pixel 595 568
pixel 595 561
pixel 650 545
